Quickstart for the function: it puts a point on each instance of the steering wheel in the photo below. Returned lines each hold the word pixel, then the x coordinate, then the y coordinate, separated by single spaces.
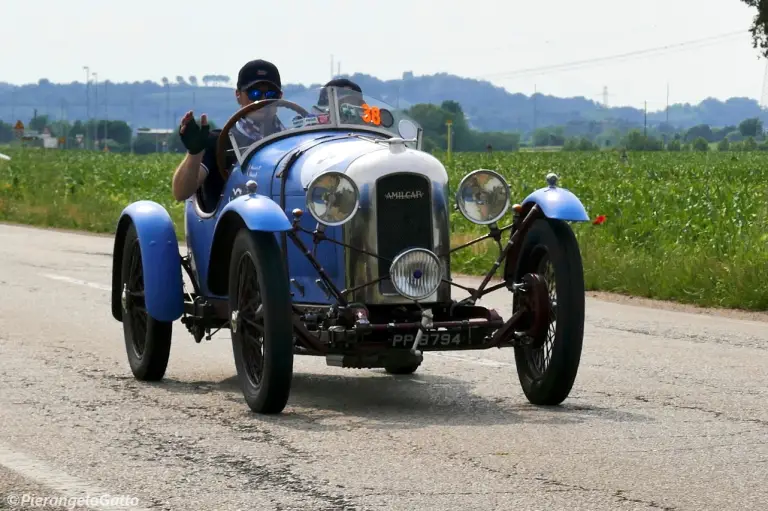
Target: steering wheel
pixel 221 142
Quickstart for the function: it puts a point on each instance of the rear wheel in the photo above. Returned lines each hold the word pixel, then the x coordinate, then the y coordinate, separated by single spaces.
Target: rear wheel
pixel 547 364
pixel 260 315
pixel 147 341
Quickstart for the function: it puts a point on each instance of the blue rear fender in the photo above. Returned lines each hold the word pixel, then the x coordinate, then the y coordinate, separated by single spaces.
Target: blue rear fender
pixel 558 203
pixel 161 261
pixel 253 211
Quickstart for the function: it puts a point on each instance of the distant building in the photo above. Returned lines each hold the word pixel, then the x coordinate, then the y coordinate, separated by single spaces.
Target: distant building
pixel 159 137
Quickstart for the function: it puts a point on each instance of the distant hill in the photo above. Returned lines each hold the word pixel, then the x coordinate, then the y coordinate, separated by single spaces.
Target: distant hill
pixel 488 107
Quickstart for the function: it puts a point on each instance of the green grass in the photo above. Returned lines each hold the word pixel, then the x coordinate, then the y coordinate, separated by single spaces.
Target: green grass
pixel 689 227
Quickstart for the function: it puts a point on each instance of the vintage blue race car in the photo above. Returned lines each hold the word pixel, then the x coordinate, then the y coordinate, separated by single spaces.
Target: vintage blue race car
pixel 332 238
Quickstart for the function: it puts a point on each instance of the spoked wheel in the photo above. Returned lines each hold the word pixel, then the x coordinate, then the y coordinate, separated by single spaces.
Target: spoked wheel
pixel 549 359
pixel 147 341
pixel 260 321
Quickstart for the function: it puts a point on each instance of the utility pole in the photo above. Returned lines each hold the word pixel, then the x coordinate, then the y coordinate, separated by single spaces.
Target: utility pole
pixel 96 110
pixel 448 124
pixel 106 116
pixel 667 102
pixel 87 105
pixel 133 121
pixel 645 121
pixel 168 104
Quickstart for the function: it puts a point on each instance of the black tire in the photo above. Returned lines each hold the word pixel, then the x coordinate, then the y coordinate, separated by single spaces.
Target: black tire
pixel 402 368
pixel 262 342
pixel 553 241
pixel 147 341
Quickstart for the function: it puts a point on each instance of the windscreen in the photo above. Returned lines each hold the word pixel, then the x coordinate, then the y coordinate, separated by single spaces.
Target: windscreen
pixel 324 106
pixel 353 109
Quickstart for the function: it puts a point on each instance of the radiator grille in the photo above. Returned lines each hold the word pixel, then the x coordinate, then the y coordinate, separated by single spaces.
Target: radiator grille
pixel 403 218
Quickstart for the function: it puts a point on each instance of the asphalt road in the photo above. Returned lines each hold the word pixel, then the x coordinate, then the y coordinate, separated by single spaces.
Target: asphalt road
pixel 668 412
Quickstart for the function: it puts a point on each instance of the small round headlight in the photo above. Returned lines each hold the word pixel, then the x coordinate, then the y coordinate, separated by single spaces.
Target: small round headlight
pixel 416 273
pixel 483 196
pixel 332 198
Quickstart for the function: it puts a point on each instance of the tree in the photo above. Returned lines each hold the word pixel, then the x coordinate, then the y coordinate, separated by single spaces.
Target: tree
pixel 6 132
pixel 38 123
pixel 751 127
pixel 701 144
pixel 193 80
pixel 702 130
pixel 759 29
pixel 723 145
pixel 180 80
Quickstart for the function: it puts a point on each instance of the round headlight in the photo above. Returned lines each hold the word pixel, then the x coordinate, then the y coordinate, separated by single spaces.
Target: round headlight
pixel 332 198
pixel 483 196
pixel 416 273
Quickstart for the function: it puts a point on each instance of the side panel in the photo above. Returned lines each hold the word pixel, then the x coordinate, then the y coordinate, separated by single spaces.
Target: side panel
pixel 329 254
pixel 558 203
pixel 160 257
pixel 200 227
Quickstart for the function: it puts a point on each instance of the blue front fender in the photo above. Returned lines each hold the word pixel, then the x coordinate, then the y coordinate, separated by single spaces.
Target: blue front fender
pixel 259 213
pixel 161 261
pixel 558 203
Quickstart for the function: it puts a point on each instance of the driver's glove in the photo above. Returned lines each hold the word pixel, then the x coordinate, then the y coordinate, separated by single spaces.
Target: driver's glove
pixel 194 137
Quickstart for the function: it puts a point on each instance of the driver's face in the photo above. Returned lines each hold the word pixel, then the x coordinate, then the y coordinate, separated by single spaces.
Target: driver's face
pixel 351 97
pixel 256 92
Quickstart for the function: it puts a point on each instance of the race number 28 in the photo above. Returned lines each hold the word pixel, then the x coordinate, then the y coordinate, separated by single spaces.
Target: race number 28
pixel 431 339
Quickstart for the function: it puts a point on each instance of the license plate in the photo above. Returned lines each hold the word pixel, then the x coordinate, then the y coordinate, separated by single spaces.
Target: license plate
pixel 430 339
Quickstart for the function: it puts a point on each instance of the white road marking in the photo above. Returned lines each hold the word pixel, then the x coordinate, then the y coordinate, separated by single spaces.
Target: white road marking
pixel 62 483
pixel 473 360
pixel 77 281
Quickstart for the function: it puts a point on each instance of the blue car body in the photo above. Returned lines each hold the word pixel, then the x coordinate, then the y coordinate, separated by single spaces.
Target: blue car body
pixel 281 170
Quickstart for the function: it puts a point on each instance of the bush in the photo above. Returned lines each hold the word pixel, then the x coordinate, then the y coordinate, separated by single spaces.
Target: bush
pixel 701 144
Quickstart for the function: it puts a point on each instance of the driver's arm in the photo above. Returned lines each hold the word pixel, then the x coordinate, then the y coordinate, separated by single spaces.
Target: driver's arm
pixel 189 176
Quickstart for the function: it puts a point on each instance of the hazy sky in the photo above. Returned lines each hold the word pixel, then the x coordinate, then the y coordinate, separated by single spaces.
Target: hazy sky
pixel 487 39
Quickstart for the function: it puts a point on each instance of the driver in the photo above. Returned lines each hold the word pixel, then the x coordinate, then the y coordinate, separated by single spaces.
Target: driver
pixel 354 96
pixel 257 80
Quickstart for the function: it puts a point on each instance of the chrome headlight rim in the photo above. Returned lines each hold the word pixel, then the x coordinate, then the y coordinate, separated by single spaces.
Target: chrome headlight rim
pixel 308 197
pixel 406 253
pixel 507 190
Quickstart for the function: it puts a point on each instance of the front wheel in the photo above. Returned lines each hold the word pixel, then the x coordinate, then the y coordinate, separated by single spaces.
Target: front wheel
pixel 260 321
pixel 147 341
pixel 547 365
pixel 403 368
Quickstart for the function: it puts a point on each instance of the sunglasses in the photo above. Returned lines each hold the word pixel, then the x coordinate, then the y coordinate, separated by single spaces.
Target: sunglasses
pixel 258 95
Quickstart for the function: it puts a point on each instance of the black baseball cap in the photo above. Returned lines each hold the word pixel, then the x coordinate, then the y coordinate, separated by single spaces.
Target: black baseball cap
pixel 337 82
pixel 257 71
pixel 344 82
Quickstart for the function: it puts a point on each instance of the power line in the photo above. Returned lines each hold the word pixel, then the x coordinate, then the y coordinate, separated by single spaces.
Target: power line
pixel 580 63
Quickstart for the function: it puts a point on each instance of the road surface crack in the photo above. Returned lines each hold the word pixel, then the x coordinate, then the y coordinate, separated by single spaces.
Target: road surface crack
pixel 620 495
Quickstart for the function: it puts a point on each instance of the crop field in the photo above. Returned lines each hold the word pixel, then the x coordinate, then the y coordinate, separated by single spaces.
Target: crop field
pixel 690 227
